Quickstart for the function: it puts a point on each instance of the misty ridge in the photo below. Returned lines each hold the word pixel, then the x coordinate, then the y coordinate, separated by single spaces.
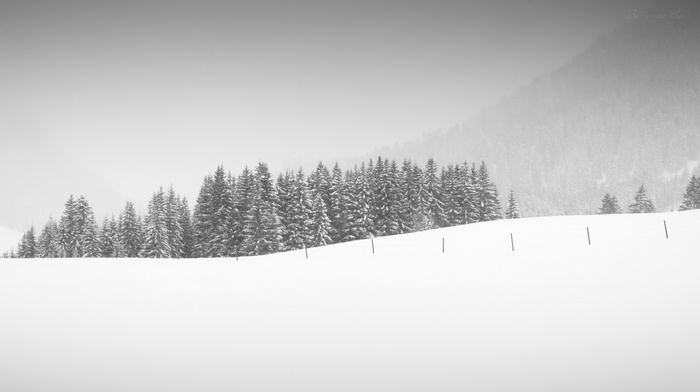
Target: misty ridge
pixel 621 113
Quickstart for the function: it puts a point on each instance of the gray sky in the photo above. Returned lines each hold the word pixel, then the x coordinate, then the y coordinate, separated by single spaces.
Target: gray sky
pixel 157 93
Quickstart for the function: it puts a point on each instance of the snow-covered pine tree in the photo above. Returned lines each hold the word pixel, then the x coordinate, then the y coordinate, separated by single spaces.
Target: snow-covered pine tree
pixel 691 198
pixel 320 182
pixel 156 236
pixel 172 223
pixel 109 246
pixel 28 246
pixel 338 209
pixel 388 199
pixel 453 195
pixel 222 242
pixel 243 201
pixel 185 220
pixel 270 200
pixel 469 203
pixel 434 203
pixel 90 238
pixel 261 231
pixel 203 219
pixel 68 244
pixel 130 238
pixel 319 223
pixel 298 213
pixel 610 205
pixel 48 242
pixel 512 209
pixel 488 204
pixel 642 204
pixel 284 200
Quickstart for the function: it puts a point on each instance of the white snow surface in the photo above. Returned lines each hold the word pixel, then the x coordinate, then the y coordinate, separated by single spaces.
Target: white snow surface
pixel 556 314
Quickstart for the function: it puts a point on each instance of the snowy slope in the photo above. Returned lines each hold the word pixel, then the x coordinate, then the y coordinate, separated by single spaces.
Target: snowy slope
pixel 556 314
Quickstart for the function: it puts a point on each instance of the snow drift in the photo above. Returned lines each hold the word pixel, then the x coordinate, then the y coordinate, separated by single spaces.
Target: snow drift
pixel 555 313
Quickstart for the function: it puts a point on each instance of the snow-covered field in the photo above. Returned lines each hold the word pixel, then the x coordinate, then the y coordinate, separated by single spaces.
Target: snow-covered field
pixel 556 314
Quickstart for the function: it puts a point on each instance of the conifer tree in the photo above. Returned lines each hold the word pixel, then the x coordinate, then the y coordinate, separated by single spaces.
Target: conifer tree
pixel 130 236
pixel 434 203
pixel 109 246
pixel 172 223
pixel 641 204
pixel 469 203
pixel 243 201
pixel 68 244
pixel 89 239
pixel 610 205
pixel 284 200
pixel 222 242
pixel 337 209
pixel 487 201
pixel 298 213
pixel 203 220
pixel 319 223
pixel 691 198
pixel 28 246
pixel 48 242
pixel 361 203
pixel 513 209
pixel 185 221
pixel 156 235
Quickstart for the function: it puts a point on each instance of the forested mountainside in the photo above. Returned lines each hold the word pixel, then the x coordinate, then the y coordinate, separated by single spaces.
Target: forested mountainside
pixel 625 111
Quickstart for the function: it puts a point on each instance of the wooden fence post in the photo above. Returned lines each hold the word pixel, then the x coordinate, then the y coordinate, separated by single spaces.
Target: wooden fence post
pixel 512 244
pixel 665 229
pixel 588 233
pixel 372 244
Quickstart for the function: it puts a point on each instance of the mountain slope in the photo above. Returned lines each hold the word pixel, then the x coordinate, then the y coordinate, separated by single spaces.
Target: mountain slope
pixel 622 113
pixel 555 314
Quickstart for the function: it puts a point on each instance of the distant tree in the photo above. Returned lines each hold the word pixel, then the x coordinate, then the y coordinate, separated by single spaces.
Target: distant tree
pixel 513 209
pixel 48 242
pixel 641 204
pixel 691 198
pixel 203 220
pixel 27 248
pixel 610 205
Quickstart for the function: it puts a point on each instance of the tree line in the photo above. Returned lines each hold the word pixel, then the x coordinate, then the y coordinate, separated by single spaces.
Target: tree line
pixel 252 214
pixel 642 204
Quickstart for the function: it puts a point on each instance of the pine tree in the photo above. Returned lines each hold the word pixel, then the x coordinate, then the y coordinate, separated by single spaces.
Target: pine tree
pixel 68 244
pixel 185 220
pixel 298 213
pixel 89 239
pixel 337 209
pixel 243 201
pixel 284 200
pixel 203 220
pixel 641 204
pixel 513 209
pixel 222 241
pixel 48 242
pixel 487 201
pixel 156 237
pixel 453 193
pixel 109 246
pixel 28 246
pixel 469 203
pixel 320 182
pixel 130 238
pixel 434 204
pixel 610 205
pixel 691 198
pixel 172 223
pixel 361 202
pixel 319 223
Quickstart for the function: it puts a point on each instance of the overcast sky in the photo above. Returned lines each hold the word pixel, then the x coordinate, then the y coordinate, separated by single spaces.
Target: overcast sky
pixel 161 92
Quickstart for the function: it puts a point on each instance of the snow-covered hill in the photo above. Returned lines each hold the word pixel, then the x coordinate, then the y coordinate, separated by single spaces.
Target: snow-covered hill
pixel 555 314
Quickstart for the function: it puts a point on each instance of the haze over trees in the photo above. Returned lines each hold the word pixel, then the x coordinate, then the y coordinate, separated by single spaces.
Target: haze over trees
pixel 622 112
